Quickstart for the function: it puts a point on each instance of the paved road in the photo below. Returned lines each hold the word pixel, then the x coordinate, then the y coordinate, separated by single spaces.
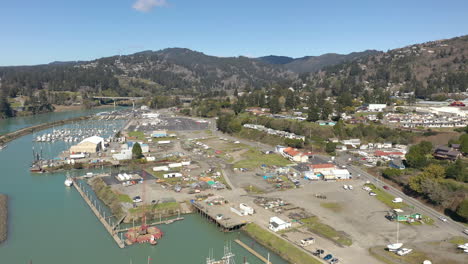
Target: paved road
pixel 450 225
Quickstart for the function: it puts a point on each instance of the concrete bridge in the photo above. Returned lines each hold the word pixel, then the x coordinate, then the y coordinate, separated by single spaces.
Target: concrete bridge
pixel 118 98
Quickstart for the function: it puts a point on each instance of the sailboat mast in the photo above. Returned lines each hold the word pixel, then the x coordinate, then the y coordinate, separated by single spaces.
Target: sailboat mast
pixel 398 231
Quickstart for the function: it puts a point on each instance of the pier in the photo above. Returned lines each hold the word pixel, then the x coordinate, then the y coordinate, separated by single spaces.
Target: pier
pixel 255 253
pixel 101 218
pixel 168 221
pixel 225 223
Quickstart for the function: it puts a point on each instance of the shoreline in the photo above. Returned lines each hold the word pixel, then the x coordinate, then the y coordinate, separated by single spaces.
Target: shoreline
pixel 66 108
pixel 3 217
pixel 5 138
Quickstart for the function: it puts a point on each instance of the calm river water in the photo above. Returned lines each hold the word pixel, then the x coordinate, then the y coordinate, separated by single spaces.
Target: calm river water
pixel 51 224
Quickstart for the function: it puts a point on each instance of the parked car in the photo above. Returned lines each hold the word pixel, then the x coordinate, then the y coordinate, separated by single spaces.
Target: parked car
pixel 443 219
pixel 137 199
pixel 318 252
pixel 465 231
pixel 386 187
pixel 350 187
pixel 327 257
pixel 372 194
pixel 334 261
pixel 397 200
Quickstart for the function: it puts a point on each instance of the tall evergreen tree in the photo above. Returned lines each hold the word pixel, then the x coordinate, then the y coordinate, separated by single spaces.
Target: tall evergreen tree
pixel 274 104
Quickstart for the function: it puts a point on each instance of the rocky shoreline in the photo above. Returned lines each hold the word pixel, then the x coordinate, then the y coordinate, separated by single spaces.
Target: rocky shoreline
pixel 3 217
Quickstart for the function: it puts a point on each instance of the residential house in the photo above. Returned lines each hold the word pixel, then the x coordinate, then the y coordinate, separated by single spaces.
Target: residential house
pixel 295 155
pixel 397 164
pixel 446 153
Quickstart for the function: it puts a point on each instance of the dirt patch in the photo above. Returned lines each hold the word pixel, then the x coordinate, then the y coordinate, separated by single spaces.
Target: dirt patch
pixel 441 138
pixel 3 217
pixel 238 155
pixel 435 251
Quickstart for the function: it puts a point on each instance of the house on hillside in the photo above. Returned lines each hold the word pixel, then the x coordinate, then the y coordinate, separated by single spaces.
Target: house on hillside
pixel 397 164
pixel 446 153
pixel 325 123
pixel 392 154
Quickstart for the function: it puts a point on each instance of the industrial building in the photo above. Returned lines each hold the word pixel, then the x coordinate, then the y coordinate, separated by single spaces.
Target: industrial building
pixel 277 224
pixel 88 145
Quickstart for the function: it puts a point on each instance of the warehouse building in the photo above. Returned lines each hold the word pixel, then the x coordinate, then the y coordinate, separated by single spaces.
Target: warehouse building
pixel 88 145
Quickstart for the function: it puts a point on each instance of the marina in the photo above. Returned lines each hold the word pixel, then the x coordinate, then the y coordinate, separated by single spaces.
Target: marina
pixel 67 215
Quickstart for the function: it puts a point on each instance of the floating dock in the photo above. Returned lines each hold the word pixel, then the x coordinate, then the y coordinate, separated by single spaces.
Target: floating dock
pixel 226 222
pixel 168 221
pixel 255 253
pixel 106 225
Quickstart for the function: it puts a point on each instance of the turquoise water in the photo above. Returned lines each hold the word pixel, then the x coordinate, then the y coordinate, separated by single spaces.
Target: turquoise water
pixel 51 224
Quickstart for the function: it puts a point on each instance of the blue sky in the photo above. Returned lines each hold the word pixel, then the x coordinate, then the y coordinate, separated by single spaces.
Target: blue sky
pixel 35 32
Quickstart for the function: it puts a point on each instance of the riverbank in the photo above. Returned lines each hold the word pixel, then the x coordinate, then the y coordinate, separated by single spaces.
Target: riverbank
pixel 3 217
pixel 283 248
pixel 28 130
pixel 65 108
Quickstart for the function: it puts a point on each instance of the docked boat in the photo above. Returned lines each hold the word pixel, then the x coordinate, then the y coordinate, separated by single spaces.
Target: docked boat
pixel 2 146
pixel 35 168
pixel 68 182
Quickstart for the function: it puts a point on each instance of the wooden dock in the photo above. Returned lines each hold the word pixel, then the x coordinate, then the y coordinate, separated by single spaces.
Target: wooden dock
pixel 168 221
pixel 106 225
pixel 255 253
pixel 226 224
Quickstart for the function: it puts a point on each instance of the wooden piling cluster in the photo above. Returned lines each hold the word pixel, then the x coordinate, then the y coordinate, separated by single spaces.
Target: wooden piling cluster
pixel 101 218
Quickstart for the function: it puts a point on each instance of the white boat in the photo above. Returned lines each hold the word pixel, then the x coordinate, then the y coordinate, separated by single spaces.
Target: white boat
pixel 394 247
pixel 68 182
pixel 2 146
pixel 404 251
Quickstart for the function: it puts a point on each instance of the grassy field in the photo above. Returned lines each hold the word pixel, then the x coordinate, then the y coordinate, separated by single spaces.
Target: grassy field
pixel 124 198
pixel 137 134
pixel 283 248
pixel 415 257
pixel 255 158
pixel 314 225
pixel 160 175
pixel 386 198
pixel 252 189
pixel 458 240
pixel 160 207
pixel 335 207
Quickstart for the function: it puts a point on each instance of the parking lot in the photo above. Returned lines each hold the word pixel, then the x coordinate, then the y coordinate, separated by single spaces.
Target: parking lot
pixel 169 123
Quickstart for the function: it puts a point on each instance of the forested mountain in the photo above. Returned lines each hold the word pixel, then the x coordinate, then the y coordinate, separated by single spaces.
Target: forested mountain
pixel 278 60
pixel 172 70
pixel 425 69
pixel 314 63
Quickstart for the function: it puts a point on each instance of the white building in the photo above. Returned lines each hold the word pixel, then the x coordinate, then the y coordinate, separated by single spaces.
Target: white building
pixel 161 168
pixel 376 107
pixel 276 224
pixel 125 154
pixel 172 175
